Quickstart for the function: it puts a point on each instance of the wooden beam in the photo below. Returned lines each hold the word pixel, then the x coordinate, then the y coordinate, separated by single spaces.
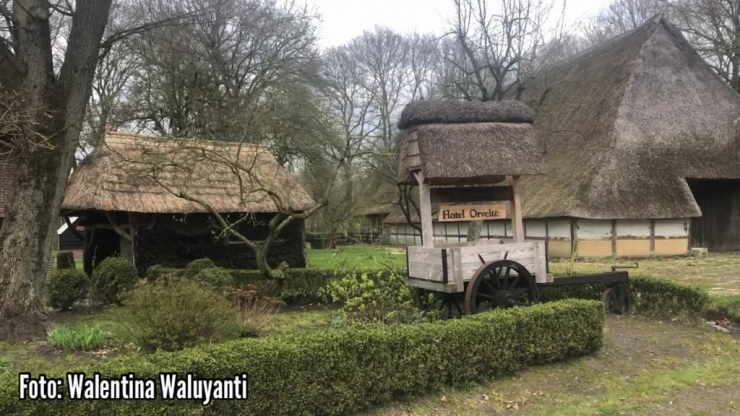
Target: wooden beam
pixel 425 208
pixel 614 237
pixel 114 225
pixel 73 229
pixel 471 194
pixel 517 224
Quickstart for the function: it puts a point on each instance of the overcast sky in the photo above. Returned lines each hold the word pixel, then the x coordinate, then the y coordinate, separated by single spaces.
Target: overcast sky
pixel 344 19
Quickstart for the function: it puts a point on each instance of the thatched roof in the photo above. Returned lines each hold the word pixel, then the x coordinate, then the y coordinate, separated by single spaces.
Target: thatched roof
pixel 469 153
pixel 447 111
pixel 624 123
pixel 150 174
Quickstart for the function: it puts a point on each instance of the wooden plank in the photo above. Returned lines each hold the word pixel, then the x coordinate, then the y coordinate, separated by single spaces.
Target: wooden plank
pixel 469 243
pixel 497 247
pixel 425 208
pixel 433 255
pixel 448 195
pixel 457 278
pixel 540 262
pixel 426 271
pixel 517 224
pixel 515 254
pixel 435 286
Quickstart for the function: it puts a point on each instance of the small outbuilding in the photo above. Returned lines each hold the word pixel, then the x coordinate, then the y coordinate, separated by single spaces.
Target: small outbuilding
pixel 139 197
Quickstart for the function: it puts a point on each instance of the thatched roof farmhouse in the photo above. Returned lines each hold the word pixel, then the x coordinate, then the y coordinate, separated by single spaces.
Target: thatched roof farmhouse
pixel 140 196
pixel 635 132
pixel 640 144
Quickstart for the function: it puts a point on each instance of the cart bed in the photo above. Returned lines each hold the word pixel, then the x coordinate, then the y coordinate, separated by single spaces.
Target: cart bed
pixel 447 267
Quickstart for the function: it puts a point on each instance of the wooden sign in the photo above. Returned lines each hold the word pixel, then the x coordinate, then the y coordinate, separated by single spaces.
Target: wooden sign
pixel 450 213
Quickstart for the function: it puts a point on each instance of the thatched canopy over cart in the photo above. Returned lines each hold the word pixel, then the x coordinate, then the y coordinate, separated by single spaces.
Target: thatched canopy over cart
pixel 462 152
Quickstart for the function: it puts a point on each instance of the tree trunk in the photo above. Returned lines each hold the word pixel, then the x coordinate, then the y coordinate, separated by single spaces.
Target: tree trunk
pixel 125 249
pixel 57 105
pixel 25 241
pixel 474 228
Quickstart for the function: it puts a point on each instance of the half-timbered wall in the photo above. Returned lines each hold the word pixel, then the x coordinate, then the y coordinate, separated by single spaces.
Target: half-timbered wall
pixel 591 238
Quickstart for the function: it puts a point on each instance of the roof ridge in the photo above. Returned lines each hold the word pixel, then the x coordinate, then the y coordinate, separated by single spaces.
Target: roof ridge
pixel 132 135
pixel 604 46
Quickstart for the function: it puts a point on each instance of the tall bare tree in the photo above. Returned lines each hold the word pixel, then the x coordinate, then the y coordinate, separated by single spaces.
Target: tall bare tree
pixel 48 98
pixel 224 74
pixel 713 28
pixel 494 42
pixel 621 16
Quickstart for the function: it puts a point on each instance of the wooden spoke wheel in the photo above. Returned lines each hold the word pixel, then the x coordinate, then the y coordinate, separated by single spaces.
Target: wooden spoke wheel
pixel 618 300
pixel 500 284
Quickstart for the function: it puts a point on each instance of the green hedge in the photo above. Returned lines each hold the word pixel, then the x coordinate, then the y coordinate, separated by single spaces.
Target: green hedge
pixel 337 372
pixel 652 295
pixel 303 285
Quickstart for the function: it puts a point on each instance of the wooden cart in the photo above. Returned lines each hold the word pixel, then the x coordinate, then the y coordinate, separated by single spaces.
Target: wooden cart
pixel 470 277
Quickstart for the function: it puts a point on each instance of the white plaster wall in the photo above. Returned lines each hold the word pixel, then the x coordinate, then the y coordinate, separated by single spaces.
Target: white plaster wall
pixel 496 229
pixel 535 229
pixel 439 228
pixel 594 229
pixel 633 228
pixel 558 229
pixel 672 228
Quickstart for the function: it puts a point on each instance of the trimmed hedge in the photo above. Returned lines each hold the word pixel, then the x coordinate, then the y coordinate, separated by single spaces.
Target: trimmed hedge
pixel 652 295
pixel 66 287
pixel 112 278
pixel 336 372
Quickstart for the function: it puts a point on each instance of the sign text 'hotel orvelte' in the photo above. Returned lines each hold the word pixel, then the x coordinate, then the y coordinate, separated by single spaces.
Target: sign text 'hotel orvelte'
pixel 449 213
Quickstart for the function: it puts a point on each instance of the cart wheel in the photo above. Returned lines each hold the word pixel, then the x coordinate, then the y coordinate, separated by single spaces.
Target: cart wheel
pixel 500 284
pixel 617 300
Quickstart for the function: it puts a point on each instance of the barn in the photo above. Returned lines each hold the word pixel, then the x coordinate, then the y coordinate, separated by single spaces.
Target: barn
pixel 641 146
pixel 640 140
pixel 140 197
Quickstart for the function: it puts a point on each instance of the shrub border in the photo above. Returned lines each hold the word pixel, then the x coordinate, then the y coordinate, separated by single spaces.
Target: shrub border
pixel 336 372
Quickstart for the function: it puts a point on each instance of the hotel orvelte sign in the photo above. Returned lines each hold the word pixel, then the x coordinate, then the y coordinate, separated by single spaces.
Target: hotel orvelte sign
pixel 451 213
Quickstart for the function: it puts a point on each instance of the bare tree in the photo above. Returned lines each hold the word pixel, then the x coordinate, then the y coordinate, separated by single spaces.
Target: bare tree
pixel 713 28
pixel 227 72
pixel 350 104
pixel 493 44
pixel 620 16
pixel 50 96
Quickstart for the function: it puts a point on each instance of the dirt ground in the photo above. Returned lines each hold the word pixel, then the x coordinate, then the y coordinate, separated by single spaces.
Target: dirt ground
pixel 647 367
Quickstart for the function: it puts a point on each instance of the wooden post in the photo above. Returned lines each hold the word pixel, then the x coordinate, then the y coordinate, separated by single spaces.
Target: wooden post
pixel 517 224
pixel 425 209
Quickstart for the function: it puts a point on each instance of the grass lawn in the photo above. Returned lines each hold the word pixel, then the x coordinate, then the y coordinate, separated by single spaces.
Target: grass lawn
pixel 359 255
